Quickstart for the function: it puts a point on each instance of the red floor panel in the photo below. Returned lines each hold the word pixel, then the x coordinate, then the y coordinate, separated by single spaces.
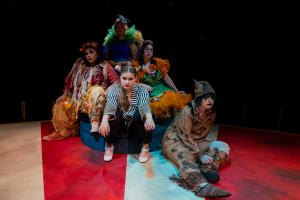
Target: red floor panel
pixel 264 165
pixel 73 171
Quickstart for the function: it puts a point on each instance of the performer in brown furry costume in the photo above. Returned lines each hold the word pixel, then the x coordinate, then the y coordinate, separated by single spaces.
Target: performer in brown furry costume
pixel 185 143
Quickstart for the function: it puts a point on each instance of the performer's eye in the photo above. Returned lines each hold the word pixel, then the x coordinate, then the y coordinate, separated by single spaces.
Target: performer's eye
pixel 89 52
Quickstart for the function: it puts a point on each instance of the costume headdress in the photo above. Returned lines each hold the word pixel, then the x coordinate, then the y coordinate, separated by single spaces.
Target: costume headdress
pixel 147 42
pixel 121 19
pixel 131 34
pixel 202 90
pixel 92 44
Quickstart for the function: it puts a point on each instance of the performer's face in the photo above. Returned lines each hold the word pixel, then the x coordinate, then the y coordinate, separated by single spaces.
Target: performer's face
pixel 148 52
pixel 120 29
pixel 207 103
pixel 91 55
pixel 127 80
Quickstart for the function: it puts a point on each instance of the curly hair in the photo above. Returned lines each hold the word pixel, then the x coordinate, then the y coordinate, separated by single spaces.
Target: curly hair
pixel 91 45
pixel 141 56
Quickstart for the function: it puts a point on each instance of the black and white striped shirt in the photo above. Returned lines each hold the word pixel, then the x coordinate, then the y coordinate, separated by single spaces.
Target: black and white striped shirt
pixel 139 101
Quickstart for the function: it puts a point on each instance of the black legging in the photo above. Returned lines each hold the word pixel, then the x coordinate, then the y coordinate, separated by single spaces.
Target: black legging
pixel 136 131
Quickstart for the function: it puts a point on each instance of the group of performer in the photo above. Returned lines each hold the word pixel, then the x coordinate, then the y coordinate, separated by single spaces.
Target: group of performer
pixel 124 87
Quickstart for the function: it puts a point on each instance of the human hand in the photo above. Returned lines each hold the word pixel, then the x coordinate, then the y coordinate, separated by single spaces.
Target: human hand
pixel 205 159
pixel 104 128
pixel 149 124
pixel 118 68
pixel 149 88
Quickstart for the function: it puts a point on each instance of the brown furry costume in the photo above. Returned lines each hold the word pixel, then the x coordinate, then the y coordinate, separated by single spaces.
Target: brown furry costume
pixel 186 140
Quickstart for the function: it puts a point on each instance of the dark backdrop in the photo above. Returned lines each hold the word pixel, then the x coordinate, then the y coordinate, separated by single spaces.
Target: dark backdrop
pixel 244 50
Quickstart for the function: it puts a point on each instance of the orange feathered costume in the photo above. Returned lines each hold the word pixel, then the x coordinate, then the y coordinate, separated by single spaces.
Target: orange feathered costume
pixel 164 100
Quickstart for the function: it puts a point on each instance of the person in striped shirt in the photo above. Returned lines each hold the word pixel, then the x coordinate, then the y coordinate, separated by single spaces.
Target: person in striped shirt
pixel 127 109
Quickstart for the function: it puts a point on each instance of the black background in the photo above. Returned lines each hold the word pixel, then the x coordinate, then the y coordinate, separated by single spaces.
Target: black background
pixel 246 51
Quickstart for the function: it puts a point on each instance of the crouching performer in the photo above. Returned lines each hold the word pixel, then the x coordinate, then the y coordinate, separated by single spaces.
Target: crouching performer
pixel 186 144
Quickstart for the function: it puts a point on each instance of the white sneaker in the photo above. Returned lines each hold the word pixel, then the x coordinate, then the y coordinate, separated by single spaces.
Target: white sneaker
pixel 144 159
pixel 108 154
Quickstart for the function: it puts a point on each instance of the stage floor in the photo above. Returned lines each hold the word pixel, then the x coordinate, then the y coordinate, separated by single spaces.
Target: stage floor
pixel 21 171
pixel 263 165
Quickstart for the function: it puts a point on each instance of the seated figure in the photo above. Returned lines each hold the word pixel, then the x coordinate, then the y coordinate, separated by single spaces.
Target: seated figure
pixel 187 145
